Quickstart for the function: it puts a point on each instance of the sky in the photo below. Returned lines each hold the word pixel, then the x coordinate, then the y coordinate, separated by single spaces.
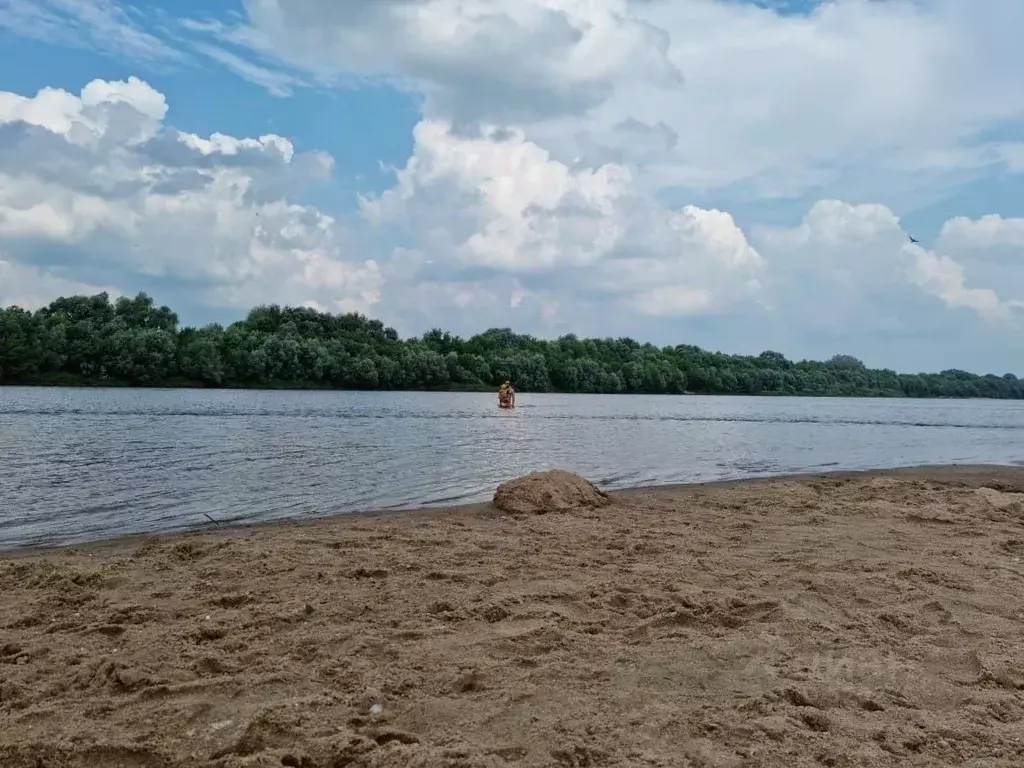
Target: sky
pixel 741 175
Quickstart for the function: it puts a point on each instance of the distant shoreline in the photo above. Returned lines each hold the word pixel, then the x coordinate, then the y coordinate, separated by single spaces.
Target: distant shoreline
pixel 312 387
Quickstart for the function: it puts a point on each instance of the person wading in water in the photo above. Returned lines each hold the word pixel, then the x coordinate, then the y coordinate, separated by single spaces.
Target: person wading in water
pixel 506 396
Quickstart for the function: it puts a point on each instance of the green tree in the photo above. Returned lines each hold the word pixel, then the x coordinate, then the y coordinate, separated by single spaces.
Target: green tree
pixel 91 340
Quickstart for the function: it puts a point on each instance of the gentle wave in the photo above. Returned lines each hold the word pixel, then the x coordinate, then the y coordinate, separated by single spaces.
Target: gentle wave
pixel 477 415
pixel 78 465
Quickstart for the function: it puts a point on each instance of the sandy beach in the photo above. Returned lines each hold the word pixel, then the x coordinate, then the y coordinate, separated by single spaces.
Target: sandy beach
pixel 871 619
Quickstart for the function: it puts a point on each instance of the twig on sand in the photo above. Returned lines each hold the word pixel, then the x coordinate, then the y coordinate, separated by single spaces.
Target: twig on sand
pixel 215 522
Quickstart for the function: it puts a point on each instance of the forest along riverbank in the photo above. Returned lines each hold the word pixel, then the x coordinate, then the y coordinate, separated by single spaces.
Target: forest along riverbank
pixel 869 619
pixel 93 341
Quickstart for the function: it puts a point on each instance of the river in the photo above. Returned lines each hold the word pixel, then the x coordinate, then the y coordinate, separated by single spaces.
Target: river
pixel 85 464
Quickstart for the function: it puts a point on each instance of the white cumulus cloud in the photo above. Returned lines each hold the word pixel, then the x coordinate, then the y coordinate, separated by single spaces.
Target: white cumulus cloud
pixel 501 58
pixel 850 271
pixel 986 232
pixel 510 209
pixel 101 174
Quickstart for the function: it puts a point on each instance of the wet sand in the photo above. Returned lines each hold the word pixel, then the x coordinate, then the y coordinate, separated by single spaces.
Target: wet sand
pixel 849 620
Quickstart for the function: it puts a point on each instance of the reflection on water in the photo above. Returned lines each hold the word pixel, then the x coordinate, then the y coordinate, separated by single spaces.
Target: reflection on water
pixel 79 464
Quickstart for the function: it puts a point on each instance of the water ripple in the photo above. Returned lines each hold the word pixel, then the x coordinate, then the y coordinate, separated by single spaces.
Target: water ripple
pixel 77 465
pixel 476 416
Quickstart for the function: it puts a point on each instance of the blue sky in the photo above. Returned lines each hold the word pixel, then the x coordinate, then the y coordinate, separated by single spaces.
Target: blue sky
pixel 739 175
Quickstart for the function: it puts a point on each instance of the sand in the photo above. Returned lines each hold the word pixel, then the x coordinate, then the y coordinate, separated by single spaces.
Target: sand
pixel 849 620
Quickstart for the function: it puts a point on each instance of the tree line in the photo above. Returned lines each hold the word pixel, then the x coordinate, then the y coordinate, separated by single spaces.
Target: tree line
pixel 89 340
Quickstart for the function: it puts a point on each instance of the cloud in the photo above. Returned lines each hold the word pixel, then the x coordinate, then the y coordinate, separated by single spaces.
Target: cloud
pixel 143 37
pixel 944 278
pixel 122 112
pixel 511 211
pixel 853 96
pixel 892 101
pixel 987 232
pixel 850 271
pixel 276 82
pixel 498 221
pixel 700 95
pixel 28 287
pixel 514 198
pixel 98 180
pixel 1012 154
pixel 993 248
pixel 102 25
pixel 468 57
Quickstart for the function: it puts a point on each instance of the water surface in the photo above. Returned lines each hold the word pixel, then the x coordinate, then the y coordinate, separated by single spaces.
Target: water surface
pixel 85 464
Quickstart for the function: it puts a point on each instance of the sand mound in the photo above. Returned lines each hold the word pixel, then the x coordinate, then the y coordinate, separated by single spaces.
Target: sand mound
pixel 552 491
